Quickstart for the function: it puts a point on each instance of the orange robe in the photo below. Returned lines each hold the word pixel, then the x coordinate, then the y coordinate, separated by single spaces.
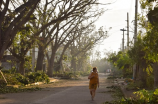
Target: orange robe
pixel 93 81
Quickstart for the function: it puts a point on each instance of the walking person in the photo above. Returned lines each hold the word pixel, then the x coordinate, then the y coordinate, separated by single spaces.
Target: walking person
pixel 94 82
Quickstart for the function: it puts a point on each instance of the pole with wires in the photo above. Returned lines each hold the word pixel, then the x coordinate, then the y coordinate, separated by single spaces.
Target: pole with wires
pixel 135 38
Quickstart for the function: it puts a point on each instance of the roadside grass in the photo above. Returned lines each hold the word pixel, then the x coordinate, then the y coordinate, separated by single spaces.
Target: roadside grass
pixel 17 90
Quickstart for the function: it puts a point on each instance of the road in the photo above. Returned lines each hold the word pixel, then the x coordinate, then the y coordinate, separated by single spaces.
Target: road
pixel 73 92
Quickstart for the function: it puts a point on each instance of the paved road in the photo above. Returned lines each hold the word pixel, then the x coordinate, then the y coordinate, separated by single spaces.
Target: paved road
pixel 78 94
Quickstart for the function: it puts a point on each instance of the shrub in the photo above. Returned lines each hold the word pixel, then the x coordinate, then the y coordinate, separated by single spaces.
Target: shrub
pixel 11 79
pixel 9 89
pixel 22 79
pixel 144 97
pixel 37 76
pixel 128 74
pixel 2 83
pixel 65 74
pixel 18 79
pixel 150 82
pixel 148 96
pixel 84 73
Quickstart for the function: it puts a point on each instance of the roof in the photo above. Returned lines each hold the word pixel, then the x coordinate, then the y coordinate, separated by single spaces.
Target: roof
pixel 8 57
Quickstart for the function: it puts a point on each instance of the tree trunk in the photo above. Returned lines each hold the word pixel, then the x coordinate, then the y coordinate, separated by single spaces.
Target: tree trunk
pixel 1 53
pixel 60 65
pixel 80 65
pixel 51 62
pixel 33 59
pixel 155 68
pixel 73 64
pixel 21 67
pixel 142 75
pixel 51 65
pixel 134 71
pixel 39 64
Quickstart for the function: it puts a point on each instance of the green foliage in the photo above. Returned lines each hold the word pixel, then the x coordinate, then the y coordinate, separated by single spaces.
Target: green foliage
pixel 83 73
pixel 118 60
pixel 128 74
pixel 22 79
pixel 145 4
pixel 113 57
pixel 116 92
pixel 18 79
pixel 112 77
pixel 134 85
pixel 151 42
pixel 2 83
pixel 129 101
pixel 137 52
pixel 37 77
pixel 10 89
pixel 11 79
pixel 148 96
pixel 150 82
pixel 66 74
pixel 14 78
pixel 89 68
pixel 123 62
pixel 144 97
pixel 28 65
pixel 101 64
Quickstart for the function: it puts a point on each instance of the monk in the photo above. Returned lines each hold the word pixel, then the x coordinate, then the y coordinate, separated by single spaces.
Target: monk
pixel 94 82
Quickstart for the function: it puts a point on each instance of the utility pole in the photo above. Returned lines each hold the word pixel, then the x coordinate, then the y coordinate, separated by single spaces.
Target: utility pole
pixel 123 39
pixel 135 37
pixel 136 13
pixel 123 48
pixel 127 31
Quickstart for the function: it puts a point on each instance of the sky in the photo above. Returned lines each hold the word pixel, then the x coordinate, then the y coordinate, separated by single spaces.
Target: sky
pixel 115 17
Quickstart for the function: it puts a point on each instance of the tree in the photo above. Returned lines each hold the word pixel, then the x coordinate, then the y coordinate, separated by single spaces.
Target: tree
pixel 77 32
pixel 22 43
pixel 85 43
pixel 12 16
pixel 150 40
pixel 58 32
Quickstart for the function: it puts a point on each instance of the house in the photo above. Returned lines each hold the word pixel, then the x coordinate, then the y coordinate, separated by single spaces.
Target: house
pixel 8 61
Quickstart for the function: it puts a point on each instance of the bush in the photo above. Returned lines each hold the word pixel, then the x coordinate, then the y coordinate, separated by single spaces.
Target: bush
pixel 150 82
pixel 37 76
pixel 2 83
pixel 84 73
pixel 117 92
pixel 134 85
pixel 64 75
pixel 128 74
pixel 10 89
pixel 11 79
pixel 144 97
pixel 22 79
pixel 18 79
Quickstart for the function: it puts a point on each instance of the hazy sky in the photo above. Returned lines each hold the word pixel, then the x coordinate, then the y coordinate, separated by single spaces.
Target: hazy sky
pixel 116 18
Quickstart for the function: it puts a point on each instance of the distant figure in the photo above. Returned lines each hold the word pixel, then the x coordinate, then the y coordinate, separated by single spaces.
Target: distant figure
pixel 94 82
